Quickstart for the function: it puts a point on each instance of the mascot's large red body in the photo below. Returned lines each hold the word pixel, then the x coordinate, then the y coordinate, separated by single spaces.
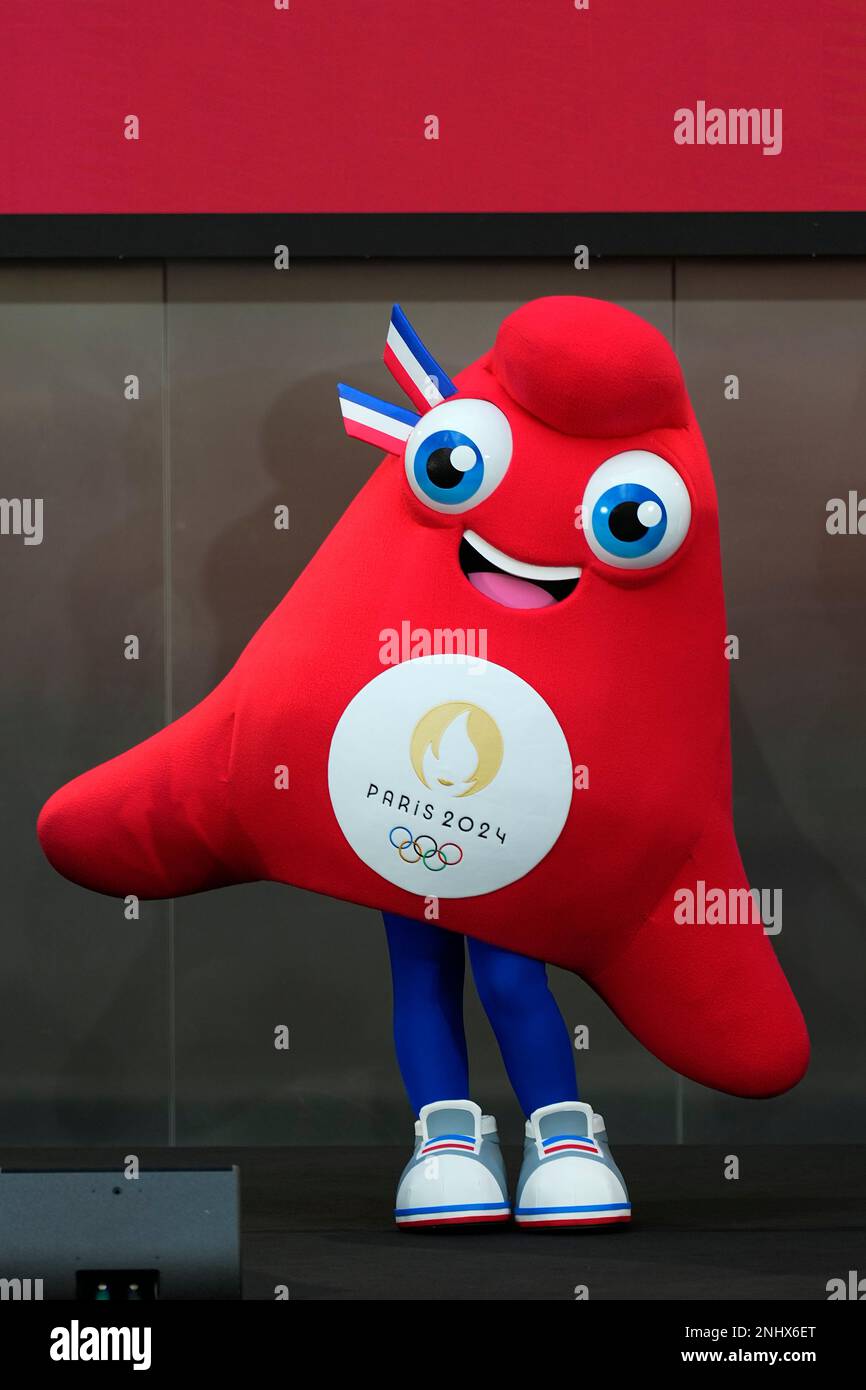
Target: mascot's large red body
pixel 562 784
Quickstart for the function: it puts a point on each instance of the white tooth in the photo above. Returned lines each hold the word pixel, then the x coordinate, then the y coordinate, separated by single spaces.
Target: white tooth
pixel 520 568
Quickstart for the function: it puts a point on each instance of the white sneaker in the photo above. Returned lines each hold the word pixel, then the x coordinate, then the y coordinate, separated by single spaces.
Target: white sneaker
pixel 456 1174
pixel 568 1176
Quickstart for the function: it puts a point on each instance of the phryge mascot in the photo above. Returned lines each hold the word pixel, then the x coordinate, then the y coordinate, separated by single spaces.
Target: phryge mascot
pixel 545 772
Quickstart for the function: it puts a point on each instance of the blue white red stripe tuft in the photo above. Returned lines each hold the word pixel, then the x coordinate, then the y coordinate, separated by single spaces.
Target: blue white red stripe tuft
pixel 413 367
pixel 375 421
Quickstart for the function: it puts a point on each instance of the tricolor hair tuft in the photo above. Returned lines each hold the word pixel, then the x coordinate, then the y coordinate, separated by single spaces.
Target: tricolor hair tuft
pixel 376 422
pixel 416 370
pixel 413 367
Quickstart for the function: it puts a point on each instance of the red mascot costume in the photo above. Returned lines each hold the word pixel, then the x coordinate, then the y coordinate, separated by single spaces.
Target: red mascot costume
pixel 500 694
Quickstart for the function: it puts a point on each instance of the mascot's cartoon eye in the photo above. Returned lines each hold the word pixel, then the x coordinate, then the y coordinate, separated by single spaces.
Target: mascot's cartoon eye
pixel 457 454
pixel 636 510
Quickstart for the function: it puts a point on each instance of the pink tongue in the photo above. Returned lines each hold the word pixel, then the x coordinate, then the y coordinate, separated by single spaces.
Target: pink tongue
pixel 510 591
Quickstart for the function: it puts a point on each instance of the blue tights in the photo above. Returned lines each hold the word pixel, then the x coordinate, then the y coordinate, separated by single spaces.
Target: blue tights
pixel 427 965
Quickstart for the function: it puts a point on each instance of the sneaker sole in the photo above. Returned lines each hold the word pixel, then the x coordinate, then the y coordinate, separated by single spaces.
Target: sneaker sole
pixel 576 1218
pixel 461 1217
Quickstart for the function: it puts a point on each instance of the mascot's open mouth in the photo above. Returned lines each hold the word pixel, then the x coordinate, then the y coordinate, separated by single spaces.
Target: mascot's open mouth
pixel 514 583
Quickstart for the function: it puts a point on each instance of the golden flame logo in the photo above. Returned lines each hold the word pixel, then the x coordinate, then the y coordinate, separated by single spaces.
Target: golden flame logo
pixel 456 749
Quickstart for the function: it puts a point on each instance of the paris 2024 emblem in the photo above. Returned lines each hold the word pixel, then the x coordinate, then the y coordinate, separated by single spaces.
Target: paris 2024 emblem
pixel 449 775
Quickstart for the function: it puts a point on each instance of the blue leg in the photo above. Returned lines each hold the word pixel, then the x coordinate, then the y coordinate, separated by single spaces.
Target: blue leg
pixel 427 975
pixel 531 1032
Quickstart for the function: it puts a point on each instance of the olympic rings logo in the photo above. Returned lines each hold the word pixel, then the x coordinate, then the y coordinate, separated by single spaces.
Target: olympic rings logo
pixel 422 855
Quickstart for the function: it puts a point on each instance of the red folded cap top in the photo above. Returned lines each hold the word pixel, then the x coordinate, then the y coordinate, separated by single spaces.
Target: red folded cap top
pixel 589 368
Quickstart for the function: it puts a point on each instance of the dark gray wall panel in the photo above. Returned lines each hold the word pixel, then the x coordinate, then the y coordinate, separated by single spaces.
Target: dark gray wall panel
pixel 120 1032
pixel 795 334
pixel 84 1037
pixel 254 357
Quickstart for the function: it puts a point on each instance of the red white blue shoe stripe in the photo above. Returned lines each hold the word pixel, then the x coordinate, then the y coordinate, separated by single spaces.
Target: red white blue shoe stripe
pixel 463 1212
pixel 375 421
pixel 562 1143
pixel 448 1141
pixel 598 1214
pixel 413 367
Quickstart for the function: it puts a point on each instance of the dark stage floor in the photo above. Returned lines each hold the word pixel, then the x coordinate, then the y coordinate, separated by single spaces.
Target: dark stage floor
pixel 319 1221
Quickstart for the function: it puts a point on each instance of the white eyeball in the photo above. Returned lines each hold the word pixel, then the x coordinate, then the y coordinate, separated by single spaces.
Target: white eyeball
pixel 636 510
pixel 457 454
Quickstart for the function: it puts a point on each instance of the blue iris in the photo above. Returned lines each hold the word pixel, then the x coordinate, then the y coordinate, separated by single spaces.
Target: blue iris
pixel 624 525
pixel 437 475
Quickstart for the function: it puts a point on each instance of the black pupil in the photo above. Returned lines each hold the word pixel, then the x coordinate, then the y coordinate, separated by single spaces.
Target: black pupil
pixel 440 469
pixel 624 524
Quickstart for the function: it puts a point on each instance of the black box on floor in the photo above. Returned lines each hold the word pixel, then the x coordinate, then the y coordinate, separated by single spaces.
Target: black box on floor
pixel 100 1236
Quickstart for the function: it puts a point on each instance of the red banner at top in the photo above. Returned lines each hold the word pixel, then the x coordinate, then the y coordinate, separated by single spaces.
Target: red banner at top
pixel 390 106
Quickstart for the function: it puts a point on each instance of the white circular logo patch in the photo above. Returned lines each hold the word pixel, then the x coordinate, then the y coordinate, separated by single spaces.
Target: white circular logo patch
pixel 449 776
